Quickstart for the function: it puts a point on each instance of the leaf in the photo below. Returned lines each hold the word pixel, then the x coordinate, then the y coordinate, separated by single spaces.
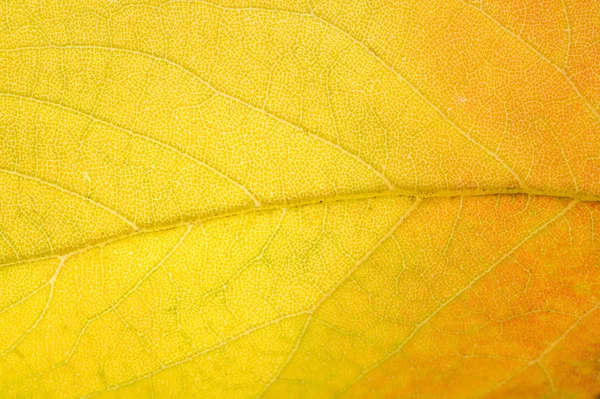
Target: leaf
pixel 299 199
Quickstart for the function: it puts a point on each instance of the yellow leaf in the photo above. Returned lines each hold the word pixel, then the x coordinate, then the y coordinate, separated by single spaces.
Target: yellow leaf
pixel 299 199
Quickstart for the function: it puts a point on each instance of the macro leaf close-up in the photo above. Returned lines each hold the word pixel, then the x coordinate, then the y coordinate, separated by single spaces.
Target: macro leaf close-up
pixel 300 199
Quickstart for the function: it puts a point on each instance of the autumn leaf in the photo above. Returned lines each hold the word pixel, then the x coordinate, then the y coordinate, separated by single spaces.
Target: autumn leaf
pixel 300 199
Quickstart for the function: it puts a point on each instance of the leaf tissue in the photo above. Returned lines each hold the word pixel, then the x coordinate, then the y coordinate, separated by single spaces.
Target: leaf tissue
pixel 299 199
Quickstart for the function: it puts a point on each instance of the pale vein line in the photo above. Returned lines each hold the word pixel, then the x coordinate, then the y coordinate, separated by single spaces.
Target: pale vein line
pixel 422 96
pixel 544 353
pixel 197 354
pixel 126 295
pixel 258 257
pixel 449 243
pixel 547 375
pixel 51 283
pixel 379 243
pixel 10 244
pixel 346 277
pixel 437 109
pixel 138 135
pixel 384 63
pixel 73 193
pixel 539 54
pixel 518 37
pixel 238 9
pixel 224 94
pixel 23 299
pixel 156 267
pixel 288 360
pixel 310 313
pixel 309 202
pixel 564 335
pixel 562 150
pixel 539 359
pixel 457 295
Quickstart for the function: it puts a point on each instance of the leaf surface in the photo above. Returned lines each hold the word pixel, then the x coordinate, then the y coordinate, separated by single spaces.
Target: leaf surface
pixel 299 199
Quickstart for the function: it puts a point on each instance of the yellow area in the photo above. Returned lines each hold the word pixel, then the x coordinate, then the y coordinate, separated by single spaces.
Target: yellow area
pixel 299 199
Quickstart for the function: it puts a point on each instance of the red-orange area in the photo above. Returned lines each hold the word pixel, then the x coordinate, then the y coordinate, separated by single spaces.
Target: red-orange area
pixel 527 327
